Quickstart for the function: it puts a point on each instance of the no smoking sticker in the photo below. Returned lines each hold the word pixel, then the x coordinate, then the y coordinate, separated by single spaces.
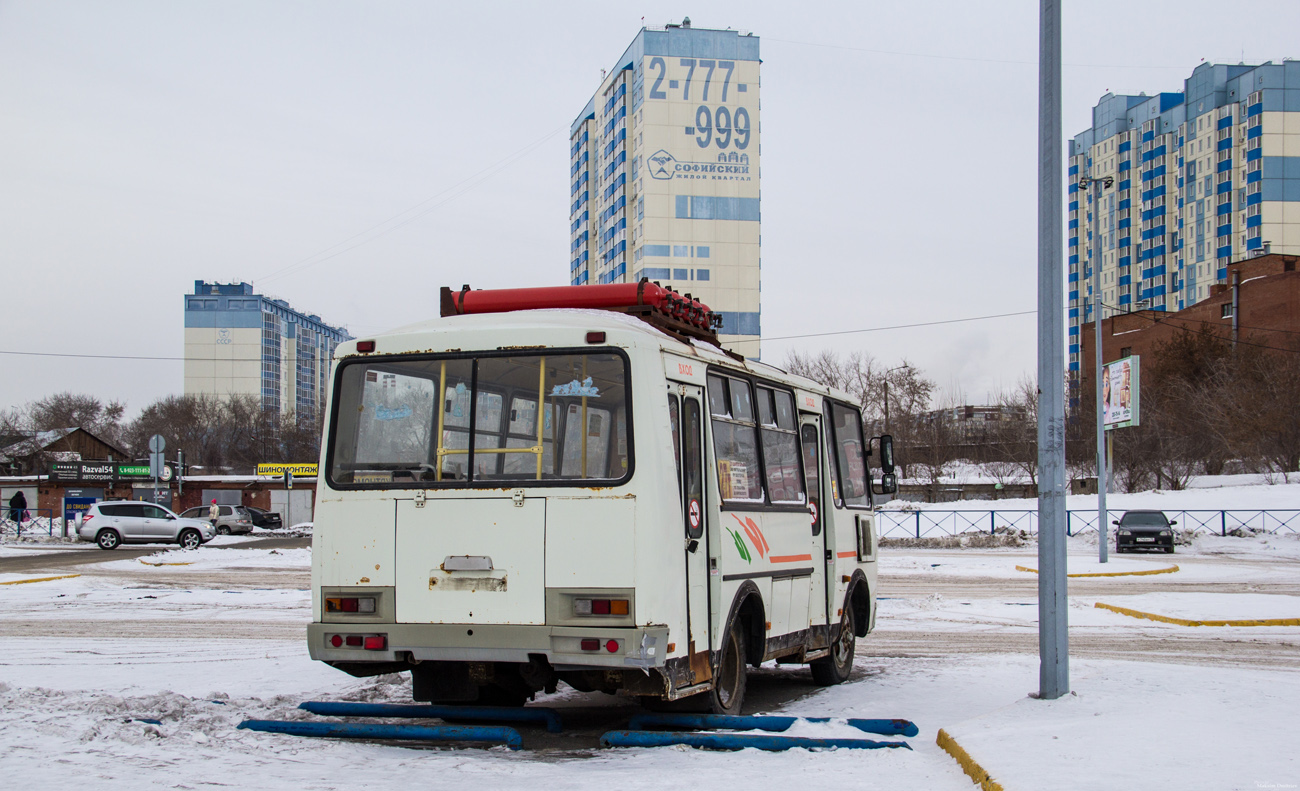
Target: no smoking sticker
pixel 812 509
pixel 693 513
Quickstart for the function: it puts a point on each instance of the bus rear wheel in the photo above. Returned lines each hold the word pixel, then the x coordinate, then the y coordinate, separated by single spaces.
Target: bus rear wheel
pixel 728 693
pixel 834 669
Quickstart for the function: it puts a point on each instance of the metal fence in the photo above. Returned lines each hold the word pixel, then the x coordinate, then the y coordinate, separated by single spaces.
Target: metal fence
pixel 935 522
pixel 35 521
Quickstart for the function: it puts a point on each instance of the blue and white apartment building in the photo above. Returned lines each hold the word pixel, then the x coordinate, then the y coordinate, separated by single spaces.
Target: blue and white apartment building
pixel 241 343
pixel 1201 178
pixel 664 173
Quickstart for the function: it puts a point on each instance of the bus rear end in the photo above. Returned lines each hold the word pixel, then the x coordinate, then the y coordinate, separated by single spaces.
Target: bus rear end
pixel 476 525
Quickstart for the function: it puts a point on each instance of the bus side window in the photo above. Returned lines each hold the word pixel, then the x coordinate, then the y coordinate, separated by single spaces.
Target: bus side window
pixel 850 461
pixel 735 441
pixel 675 420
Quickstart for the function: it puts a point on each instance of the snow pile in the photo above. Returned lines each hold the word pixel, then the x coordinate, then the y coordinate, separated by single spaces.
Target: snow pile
pixel 208 558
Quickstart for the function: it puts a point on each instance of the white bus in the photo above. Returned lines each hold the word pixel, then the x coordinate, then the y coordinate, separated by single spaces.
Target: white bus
pixel 515 499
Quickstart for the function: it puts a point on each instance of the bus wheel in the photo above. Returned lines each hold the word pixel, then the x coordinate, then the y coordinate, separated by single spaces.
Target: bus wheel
pixel 835 669
pixel 728 693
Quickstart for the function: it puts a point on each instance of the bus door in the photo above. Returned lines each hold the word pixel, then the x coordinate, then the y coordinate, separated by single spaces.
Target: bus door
pixel 814 481
pixel 685 405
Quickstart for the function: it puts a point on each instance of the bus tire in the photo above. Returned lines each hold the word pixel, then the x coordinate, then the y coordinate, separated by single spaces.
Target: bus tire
pixel 728 693
pixel 835 669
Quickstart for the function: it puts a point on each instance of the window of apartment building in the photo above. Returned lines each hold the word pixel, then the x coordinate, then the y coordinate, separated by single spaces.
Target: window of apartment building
pixel 1126 351
pixel 1225 310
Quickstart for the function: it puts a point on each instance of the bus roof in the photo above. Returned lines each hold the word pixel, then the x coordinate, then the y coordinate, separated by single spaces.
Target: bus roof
pixel 549 327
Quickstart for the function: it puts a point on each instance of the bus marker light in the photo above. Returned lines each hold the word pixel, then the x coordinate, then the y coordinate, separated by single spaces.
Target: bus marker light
pixel 591 644
pixel 365 347
pixel 354 640
pixel 618 607
pixel 336 640
pixel 595 337
pixel 612 646
pixel 376 642
pixel 357 605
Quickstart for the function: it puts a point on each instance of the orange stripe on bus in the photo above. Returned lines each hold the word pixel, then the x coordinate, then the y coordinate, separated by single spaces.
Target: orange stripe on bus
pixel 849 554
pixel 788 558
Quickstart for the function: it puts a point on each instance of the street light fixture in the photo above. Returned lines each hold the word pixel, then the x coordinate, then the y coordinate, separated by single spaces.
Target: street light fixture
pixel 1098 184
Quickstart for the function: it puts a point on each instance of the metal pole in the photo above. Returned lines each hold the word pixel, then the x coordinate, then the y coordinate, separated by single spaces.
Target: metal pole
pixel 1053 635
pixel 1097 312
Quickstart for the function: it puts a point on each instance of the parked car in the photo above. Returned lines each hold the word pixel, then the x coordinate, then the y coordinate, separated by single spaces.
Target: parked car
pixel 263 518
pixel 110 524
pixel 1144 530
pixel 233 518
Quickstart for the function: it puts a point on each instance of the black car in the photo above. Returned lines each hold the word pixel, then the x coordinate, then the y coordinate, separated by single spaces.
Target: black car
pixel 269 520
pixel 1144 530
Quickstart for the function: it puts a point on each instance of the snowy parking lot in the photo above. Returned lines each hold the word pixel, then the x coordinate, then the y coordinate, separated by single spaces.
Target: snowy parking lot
pixel 134 673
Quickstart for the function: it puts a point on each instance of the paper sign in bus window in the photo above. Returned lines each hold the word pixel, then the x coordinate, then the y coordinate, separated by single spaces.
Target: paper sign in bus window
pixel 576 388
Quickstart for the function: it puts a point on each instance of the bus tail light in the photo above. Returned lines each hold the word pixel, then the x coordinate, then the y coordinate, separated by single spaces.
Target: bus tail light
pixel 376 642
pixel 600 607
pixel 590 644
pixel 354 641
pixel 612 646
pixel 361 605
pixel 367 642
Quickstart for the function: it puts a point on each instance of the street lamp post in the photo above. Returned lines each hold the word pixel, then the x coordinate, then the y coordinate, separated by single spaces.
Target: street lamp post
pixel 1098 184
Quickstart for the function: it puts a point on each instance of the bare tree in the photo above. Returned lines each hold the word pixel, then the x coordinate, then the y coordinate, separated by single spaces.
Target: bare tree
pixel 78 410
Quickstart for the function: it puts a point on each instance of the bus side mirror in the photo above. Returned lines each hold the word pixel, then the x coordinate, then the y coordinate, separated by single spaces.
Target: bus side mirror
pixel 888 484
pixel 886 442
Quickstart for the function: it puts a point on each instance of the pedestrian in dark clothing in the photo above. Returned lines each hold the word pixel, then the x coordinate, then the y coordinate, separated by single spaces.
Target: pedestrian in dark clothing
pixel 17 505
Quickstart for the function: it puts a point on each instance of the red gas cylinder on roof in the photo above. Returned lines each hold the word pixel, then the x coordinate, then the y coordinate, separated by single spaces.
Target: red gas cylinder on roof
pixel 647 300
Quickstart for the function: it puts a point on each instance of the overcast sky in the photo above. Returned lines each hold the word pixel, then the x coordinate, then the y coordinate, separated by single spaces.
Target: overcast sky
pixel 354 157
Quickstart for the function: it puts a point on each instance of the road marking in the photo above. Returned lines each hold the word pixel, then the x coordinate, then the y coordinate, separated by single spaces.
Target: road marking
pixel 977 773
pixel 1169 570
pixel 1185 622
pixel 40 579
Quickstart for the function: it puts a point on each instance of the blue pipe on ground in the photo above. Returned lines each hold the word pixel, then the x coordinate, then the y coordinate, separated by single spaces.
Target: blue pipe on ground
pixel 735 741
pixel 494 734
pixel 484 713
pixel 763 723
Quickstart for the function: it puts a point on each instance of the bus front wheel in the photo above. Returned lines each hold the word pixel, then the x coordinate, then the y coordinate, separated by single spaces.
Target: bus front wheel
pixel 728 693
pixel 834 669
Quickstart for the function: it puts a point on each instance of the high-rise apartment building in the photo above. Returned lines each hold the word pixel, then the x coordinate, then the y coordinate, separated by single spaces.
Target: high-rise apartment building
pixel 1199 179
pixel 241 343
pixel 664 173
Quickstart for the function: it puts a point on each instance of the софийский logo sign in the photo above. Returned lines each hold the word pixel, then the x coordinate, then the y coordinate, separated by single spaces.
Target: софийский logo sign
pixel 730 165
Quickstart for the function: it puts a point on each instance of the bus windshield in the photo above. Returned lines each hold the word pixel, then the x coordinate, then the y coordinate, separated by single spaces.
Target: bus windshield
pixel 421 421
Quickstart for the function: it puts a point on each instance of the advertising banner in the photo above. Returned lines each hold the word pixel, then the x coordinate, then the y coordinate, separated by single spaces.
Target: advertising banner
pixel 298 470
pixel 1119 393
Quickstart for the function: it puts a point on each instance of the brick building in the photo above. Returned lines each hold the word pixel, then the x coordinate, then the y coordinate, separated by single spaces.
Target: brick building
pixel 1259 303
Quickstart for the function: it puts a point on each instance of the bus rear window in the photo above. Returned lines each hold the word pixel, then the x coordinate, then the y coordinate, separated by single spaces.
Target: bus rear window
pixel 421 421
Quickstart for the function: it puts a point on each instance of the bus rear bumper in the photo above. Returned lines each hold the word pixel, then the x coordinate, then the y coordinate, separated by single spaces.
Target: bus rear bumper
pixel 565 647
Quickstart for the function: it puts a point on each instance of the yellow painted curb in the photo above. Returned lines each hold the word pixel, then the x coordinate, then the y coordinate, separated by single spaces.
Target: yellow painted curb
pixel 185 563
pixel 1169 570
pixel 40 579
pixel 976 772
pixel 1184 622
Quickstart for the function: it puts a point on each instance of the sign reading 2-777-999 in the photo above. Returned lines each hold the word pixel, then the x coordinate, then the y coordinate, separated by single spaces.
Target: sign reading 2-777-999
pixel 716 123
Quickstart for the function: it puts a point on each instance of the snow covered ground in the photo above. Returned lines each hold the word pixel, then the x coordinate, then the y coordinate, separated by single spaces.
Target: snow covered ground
pixel 85 661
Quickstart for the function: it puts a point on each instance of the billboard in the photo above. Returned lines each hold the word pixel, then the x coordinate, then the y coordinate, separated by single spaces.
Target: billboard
pixel 298 470
pixel 1121 405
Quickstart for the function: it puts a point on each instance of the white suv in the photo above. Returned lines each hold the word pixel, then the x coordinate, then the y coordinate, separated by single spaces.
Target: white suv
pixel 110 524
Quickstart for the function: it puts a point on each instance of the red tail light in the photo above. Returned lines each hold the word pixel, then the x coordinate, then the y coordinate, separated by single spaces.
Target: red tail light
pixel 612 646
pixel 591 645
pixel 376 642
pixel 365 347
pixel 87 517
